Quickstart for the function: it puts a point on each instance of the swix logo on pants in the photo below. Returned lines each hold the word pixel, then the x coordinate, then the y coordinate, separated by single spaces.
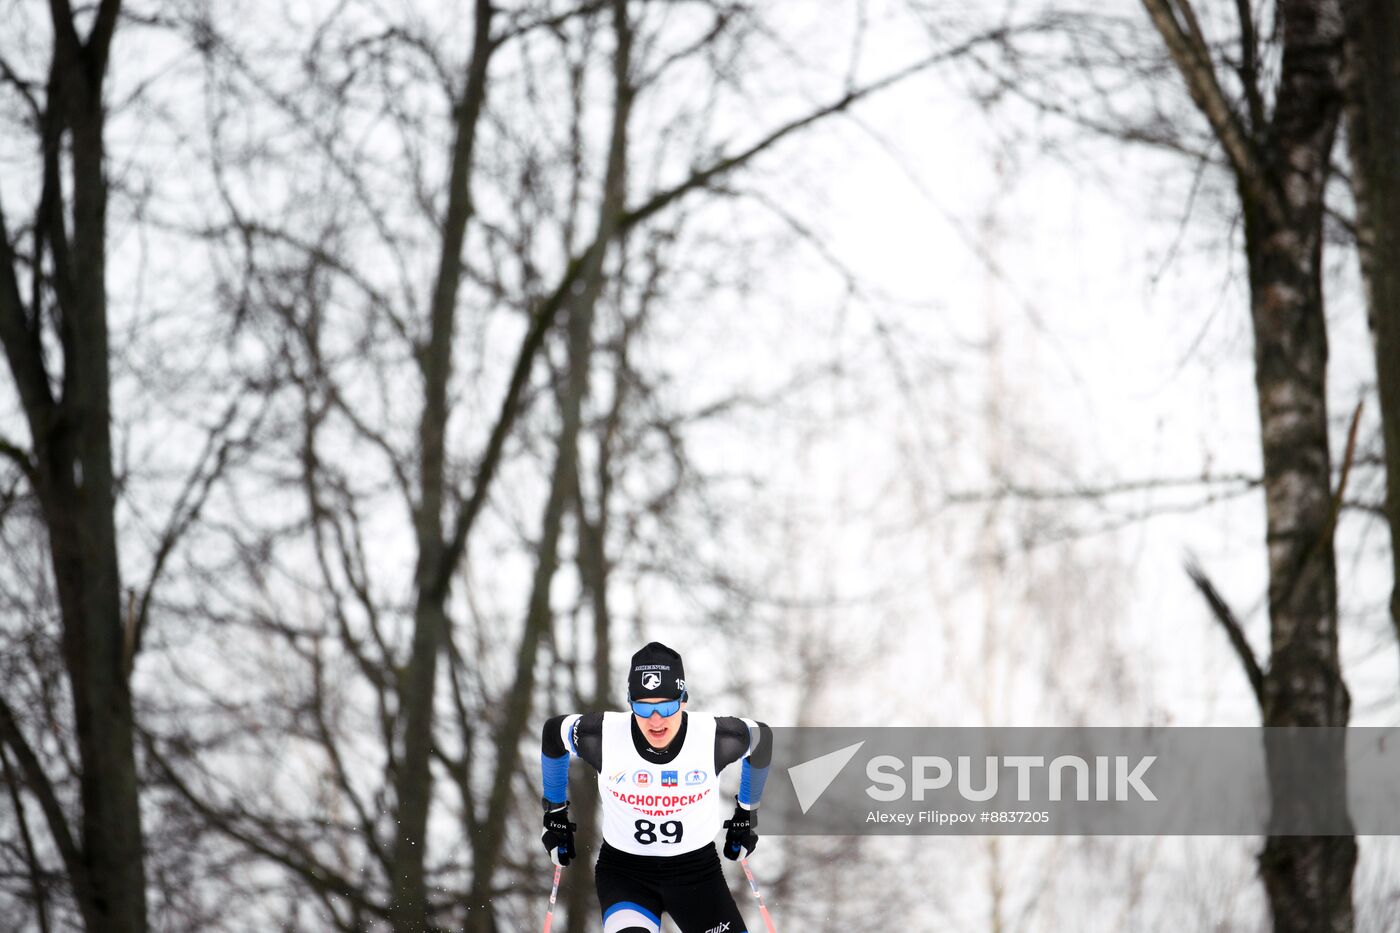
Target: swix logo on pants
pixel 719 929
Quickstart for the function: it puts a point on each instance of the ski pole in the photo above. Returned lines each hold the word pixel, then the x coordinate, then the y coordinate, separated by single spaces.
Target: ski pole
pixel 553 895
pixel 763 911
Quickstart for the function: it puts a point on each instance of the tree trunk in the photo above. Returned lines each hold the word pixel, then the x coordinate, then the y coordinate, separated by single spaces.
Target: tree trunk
pixel 564 483
pixel 1373 130
pixel 71 470
pixel 486 848
pixel 580 900
pixel 413 784
pixel 1281 166
pixel 1307 878
pixel 83 546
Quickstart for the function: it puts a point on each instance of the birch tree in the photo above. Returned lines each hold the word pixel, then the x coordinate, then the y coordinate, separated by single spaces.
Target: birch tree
pixel 1268 100
pixel 1281 158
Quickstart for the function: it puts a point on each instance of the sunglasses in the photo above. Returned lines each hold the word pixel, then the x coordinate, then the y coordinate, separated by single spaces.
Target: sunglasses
pixel 664 707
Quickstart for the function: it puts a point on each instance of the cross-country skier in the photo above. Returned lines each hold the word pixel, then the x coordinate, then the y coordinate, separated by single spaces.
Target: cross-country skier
pixel 658 774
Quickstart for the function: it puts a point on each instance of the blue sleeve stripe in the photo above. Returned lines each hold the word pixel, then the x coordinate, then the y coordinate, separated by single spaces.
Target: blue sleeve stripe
pixel 556 777
pixel 751 781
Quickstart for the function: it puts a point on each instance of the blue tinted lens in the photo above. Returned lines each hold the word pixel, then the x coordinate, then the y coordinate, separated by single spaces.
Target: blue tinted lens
pixel 665 708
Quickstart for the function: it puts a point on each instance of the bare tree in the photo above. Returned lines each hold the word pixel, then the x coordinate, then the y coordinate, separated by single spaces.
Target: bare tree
pixel 1268 99
pixel 69 465
pixel 413 785
pixel 564 480
pixel 356 344
pixel 1373 134
pixel 1281 161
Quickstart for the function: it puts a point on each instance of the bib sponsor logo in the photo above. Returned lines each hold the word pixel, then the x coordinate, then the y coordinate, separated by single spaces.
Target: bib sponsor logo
pixel 668 778
pixel 651 680
pixel 695 777
pixel 619 777
pixel 642 779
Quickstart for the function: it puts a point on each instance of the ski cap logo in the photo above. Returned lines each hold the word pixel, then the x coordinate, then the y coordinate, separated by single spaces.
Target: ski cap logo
pixel 680 683
pixel 651 680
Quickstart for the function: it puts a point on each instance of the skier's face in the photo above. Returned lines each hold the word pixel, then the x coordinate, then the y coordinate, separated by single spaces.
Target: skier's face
pixel 659 730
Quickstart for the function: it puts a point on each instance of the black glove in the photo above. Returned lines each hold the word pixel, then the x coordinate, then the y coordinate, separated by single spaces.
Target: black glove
pixel 558 835
pixel 740 833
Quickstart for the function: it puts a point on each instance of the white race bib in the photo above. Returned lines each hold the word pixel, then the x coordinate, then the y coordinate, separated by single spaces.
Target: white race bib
pixel 654 809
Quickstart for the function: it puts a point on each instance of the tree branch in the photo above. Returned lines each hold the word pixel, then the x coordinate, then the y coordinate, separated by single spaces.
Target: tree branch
pixel 21 342
pixel 100 39
pixel 20 456
pixel 544 315
pixel 50 224
pixel 555 22
pixel 43 791
pixel 31 858
pixel 1191 55
pixel 302 864
pixel 1323 541
pixel 1012 490
pixel 1249 65
pixel 24 88
pixel 66 43
pixel 188 506
pixel 1227 619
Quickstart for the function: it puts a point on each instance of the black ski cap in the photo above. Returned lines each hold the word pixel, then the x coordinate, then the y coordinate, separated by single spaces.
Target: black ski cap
pixel 656 671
